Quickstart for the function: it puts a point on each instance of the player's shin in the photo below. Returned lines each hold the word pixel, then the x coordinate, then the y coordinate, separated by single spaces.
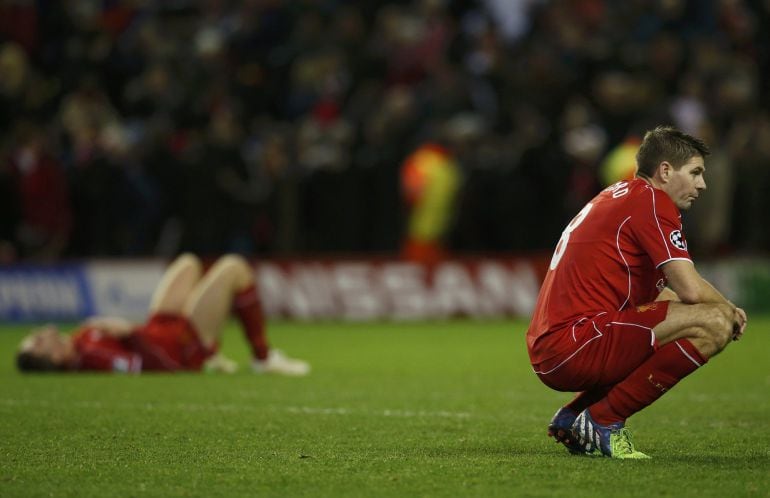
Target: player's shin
pixel 587 398
pixel 671 363
pixel 247 307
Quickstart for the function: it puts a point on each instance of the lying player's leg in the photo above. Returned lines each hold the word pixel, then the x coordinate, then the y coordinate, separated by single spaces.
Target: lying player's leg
pixel 208 305
pixel 175 286
pixel 229 286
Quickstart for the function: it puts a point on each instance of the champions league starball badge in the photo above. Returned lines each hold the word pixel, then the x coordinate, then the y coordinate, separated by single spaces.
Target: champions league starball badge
pixel 678 240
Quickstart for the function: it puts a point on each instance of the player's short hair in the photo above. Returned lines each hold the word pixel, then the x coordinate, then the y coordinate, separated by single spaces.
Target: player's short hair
pixel 666 143
pixel 27 361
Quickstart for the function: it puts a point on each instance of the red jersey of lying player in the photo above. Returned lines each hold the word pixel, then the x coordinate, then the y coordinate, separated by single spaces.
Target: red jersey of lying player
pixel 166 342
pixel 608 259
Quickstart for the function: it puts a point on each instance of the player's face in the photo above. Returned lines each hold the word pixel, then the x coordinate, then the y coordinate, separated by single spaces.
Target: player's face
pixel 48 342
pixel 686 183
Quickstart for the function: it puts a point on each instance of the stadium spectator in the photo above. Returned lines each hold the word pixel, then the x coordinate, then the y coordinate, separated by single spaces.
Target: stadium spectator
pixel 45 215
pixel 185 325
pixel 623 315
pixel 430 180
pixel 163 72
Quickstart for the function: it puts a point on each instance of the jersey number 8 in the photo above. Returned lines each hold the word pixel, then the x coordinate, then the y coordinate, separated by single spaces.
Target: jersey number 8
pixel 564 240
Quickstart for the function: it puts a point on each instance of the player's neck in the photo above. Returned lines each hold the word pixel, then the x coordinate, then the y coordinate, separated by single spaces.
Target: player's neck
pixel 650 180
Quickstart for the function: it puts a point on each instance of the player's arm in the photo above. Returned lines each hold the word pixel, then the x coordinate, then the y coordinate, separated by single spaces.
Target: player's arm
pixel 107 355
pixel 111 325
pixel 687 284
pixel 685 281
pixel 667 295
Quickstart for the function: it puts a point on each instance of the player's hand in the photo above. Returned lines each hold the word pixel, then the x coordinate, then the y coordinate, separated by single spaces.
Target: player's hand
pixel 739 323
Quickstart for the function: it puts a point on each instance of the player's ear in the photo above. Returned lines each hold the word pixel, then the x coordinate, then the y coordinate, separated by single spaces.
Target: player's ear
pixel 665 169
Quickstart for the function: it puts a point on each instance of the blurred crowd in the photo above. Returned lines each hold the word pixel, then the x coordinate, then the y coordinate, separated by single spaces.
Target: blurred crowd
pixel 280 127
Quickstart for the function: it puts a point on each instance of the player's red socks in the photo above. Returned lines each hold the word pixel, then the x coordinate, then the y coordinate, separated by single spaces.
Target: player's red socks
pixel 587 398
pixel 670 364
pixel 248 308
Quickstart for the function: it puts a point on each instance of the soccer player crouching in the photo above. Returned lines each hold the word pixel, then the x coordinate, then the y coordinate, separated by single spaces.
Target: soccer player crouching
pixel 622 314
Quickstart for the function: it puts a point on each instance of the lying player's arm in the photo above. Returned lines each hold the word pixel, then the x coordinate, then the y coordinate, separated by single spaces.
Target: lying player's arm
pixel 112 325
pixel 107 355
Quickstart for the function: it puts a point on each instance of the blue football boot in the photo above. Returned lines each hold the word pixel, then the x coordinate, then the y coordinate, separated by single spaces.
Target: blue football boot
pixel 612 440
pixel 560 429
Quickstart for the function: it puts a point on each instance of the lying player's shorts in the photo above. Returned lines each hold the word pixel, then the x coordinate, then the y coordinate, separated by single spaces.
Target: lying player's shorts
pixel 600 350
pixel 169 342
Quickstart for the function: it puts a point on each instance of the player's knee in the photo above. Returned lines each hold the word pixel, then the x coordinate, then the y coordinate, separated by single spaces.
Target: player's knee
pixel 232 261
pixel 720 326
pixel 190 262
pixel 720 317
pixel 237 268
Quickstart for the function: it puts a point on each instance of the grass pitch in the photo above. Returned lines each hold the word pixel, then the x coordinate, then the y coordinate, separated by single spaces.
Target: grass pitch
pixel 390 409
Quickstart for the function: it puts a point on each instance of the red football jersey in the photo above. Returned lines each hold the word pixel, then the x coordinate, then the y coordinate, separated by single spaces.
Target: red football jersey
pixel 97 350
pixel 609 257
pixel 166 343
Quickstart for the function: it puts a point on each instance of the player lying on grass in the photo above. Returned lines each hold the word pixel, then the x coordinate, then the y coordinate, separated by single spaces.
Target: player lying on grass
pixel 187 314
pixel 623 315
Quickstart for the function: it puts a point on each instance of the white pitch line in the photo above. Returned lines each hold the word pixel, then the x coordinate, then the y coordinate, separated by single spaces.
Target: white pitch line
pixel 382 413
pixel 219 407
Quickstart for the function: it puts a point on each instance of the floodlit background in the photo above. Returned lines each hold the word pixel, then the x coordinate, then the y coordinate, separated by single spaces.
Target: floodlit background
pixel 274 127
pixel 388 167
pixel 418 131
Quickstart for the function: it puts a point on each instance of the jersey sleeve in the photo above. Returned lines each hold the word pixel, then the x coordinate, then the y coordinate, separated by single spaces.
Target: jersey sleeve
pixel 100 352
pixel 657 227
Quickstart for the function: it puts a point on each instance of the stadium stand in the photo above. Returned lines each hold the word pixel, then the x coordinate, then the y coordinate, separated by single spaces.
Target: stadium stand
pixel 275 127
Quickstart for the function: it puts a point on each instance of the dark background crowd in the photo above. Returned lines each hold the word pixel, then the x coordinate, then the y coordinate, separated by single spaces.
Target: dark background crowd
pixel 279 127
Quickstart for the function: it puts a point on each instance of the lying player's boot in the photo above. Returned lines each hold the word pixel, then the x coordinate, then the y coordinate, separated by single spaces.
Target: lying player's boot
pixel 219 363
pixel 278 363
pixel 612 440
pixel 560 429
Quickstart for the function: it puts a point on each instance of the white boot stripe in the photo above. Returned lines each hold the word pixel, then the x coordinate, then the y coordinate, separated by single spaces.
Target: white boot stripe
pixel 587 429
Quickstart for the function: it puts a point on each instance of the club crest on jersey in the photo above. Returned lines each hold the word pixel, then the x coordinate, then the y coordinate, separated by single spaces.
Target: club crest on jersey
pixel 677 239
pixel 647 307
